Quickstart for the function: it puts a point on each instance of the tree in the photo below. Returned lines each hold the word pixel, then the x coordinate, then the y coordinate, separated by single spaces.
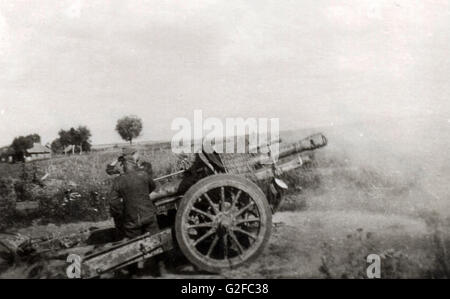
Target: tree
pixel 82 138
pixel 75 137
pixel 129 127
pixel 64 138
pixel 21 143
pixel 35 138
pixel 57 146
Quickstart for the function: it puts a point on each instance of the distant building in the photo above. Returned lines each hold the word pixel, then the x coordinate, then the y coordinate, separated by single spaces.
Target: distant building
pixel 38 152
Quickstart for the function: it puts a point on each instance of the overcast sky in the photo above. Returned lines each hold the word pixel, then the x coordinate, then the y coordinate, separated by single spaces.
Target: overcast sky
pixel 310 63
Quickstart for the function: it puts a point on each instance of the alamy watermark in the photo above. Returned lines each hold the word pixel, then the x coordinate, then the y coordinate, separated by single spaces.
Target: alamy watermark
pixel 374 268
pixel 234 135
pixel 74 268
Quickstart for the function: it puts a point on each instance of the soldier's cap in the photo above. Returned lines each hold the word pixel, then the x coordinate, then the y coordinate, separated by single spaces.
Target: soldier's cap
pixel 128 151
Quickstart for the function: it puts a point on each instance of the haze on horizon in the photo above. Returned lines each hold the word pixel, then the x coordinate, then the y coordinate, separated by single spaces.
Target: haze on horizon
pixel 309 63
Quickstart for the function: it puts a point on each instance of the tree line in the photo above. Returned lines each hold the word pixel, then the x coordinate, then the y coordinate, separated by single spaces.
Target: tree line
pixel 75 140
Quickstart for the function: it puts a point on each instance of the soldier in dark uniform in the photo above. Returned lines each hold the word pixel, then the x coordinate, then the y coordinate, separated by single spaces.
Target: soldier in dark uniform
pixel 133 211
pixel 116 203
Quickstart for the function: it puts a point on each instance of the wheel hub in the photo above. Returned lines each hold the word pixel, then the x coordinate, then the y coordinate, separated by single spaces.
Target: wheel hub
pixel 225 220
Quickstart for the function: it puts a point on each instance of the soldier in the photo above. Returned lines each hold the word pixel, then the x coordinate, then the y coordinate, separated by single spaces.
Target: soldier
pixel 116 204
pixel 133 212
pixel 119 167
pixel 137 213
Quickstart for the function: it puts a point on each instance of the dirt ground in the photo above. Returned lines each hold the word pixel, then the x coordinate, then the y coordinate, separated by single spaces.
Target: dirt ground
pixel 300 242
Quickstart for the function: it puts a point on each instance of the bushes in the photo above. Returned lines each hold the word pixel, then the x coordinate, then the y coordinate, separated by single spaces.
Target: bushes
pixel 69 205
pixel 58 201
pixel 7 202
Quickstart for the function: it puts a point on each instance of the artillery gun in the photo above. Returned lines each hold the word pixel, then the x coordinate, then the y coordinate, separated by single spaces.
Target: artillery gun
pixel 215 212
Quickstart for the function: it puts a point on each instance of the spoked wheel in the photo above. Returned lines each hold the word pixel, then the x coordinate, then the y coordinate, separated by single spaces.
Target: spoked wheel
pixel 223 222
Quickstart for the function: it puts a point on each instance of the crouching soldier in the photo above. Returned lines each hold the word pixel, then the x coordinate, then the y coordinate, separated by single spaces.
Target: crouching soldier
pixel 133 212
pixel 131 206
pixel 129 160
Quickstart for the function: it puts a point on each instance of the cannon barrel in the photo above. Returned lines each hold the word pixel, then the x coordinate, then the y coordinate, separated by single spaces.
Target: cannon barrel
pixel 309 143
pixel 306 144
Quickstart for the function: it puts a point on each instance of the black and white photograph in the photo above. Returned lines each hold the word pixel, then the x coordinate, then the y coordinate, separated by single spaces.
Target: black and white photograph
pixel 213 140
